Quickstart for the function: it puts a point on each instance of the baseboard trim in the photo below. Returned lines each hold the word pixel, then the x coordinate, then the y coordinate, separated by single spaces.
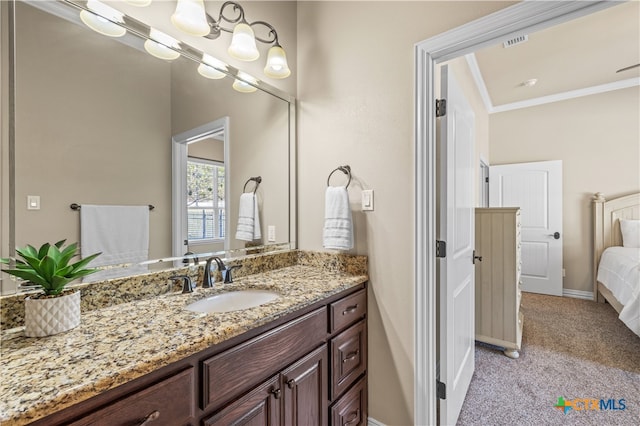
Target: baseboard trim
pixel 373 422
pixel 577 294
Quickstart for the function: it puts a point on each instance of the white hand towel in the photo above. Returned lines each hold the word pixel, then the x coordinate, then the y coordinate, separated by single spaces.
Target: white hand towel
pixel 248 218
pixel 338 225
pixel 121 233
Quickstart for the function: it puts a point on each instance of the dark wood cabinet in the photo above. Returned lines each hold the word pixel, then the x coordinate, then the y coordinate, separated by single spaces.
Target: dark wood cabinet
pixel 169 402
pixel 307 368
pixel 305 390
pixel 260 407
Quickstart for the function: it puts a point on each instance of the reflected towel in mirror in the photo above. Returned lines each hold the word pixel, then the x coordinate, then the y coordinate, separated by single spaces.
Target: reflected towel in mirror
pixel 248 218
pixel 121 233
pixel 338 225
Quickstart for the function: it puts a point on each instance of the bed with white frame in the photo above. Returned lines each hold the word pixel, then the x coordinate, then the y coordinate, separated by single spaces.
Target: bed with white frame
pixel 607 216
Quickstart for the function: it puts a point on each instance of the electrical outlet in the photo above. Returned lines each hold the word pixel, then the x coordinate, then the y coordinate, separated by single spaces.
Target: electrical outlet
pixel 271 231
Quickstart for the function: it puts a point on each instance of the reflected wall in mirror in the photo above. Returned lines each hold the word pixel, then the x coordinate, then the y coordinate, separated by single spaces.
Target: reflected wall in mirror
pixel 94 120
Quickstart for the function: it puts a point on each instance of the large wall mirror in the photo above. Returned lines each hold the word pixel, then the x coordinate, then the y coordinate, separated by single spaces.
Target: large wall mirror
pixel 95 123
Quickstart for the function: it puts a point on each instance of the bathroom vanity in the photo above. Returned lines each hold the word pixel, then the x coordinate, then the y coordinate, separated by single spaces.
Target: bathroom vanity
pixel 301 359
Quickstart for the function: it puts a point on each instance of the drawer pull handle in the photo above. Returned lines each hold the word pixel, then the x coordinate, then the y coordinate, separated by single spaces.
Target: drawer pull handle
pixel 276 393
pixel 151 417
pixel 353 418
pixel 291 383
pixel 350 309
pixel 350 356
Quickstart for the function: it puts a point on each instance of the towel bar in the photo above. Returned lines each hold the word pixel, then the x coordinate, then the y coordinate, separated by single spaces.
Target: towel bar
pixel 77 207
pixel 344 169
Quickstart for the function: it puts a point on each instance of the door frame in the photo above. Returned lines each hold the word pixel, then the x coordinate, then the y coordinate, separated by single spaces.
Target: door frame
pixel 524 17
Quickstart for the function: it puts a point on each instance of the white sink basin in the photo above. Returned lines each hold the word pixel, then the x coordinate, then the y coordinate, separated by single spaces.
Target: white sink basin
pixel 233 301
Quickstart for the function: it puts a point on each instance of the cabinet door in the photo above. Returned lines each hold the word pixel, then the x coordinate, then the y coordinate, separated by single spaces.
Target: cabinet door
pixel 305 390
pixel 260 407
pixel 169 402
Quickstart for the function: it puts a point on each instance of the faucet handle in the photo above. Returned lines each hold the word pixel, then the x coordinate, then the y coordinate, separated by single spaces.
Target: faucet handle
pixel 226 273
pixel 187 284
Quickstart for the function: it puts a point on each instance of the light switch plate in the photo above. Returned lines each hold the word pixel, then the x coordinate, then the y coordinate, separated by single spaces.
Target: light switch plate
pixel 367 200
pixel 271 231
pixel 33 202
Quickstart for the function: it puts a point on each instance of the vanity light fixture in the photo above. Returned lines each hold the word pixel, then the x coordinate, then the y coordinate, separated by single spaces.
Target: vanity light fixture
pixel 103 19
pixel 190 16
pixel 212 67
pixel 161 45
pixel 241 84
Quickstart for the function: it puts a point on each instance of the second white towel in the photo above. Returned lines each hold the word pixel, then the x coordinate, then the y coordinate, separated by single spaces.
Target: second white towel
pixel 338 225
pixel 248 218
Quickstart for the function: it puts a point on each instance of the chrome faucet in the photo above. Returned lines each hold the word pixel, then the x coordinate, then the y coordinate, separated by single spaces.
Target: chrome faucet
pixel 187 284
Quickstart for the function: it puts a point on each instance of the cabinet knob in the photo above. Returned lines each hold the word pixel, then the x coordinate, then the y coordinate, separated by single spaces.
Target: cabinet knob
pixel 150 417
pixel 291 383
pixel 276 393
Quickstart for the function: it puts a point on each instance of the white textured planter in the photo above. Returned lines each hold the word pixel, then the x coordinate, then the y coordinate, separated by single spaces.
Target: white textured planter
pixel 49 316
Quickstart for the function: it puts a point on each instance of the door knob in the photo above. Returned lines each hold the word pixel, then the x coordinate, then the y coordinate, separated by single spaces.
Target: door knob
pixel 555 235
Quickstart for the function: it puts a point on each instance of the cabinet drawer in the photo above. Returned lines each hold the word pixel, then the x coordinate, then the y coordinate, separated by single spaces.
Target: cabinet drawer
pixel 351 409
pixel 348 357
pixel 347 311
pixel 235 371
pixel 169 402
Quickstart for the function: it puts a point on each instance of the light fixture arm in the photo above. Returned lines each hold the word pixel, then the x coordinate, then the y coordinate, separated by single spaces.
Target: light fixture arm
pixel 238 17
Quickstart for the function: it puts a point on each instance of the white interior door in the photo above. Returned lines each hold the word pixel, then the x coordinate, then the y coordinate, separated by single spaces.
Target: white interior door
pixel 456 169
pixel 537 189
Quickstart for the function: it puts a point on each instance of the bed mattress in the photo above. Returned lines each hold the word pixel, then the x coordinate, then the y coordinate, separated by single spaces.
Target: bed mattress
pixel 619 271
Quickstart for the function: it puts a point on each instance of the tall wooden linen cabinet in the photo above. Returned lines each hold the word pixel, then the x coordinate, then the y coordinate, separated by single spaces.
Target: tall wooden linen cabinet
pixel 498 269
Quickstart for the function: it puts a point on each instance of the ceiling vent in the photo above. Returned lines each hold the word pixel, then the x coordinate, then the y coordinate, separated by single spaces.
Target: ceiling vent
pixel 516 40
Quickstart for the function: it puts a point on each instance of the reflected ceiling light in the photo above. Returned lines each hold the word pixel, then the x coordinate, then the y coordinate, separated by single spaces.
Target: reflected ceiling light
pixel 211 67
pixel 162 45
pixel 191 18
pixel 139 3
pixel 241 83
pixel 103 19
pixel 243 42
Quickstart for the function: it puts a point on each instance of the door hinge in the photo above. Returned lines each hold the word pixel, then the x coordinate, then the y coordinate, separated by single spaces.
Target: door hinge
pixel 441 107
pixel 441 248
pixel 486 179
pixel 441 390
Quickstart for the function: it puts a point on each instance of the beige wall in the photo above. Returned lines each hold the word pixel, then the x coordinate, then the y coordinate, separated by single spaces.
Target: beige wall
pixel 80 135
pixel 598 140
pixel 355 91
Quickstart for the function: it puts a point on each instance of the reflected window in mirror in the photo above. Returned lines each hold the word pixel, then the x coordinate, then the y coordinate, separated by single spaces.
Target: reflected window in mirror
pixel 205 201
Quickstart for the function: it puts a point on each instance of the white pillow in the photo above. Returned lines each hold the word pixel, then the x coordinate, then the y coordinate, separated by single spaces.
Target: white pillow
pixel 630 232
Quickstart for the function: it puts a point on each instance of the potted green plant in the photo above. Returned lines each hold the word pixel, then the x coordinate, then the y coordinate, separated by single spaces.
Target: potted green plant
pixel 50 267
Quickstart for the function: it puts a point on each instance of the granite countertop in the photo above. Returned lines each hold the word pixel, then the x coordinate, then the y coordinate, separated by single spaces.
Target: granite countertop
pixel 117 344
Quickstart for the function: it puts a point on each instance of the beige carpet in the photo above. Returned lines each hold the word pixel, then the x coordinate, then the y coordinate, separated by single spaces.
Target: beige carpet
pixel 571 348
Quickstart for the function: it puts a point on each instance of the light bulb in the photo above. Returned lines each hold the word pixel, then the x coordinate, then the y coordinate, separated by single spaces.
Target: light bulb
pixel 243 43
pixel 160 45
pixel 277 66
pixel 206 69
pixel 191 17
pixel 102 19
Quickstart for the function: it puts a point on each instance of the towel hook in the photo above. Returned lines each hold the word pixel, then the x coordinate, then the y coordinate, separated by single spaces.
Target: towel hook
pixel 256 179
pixel 344 169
